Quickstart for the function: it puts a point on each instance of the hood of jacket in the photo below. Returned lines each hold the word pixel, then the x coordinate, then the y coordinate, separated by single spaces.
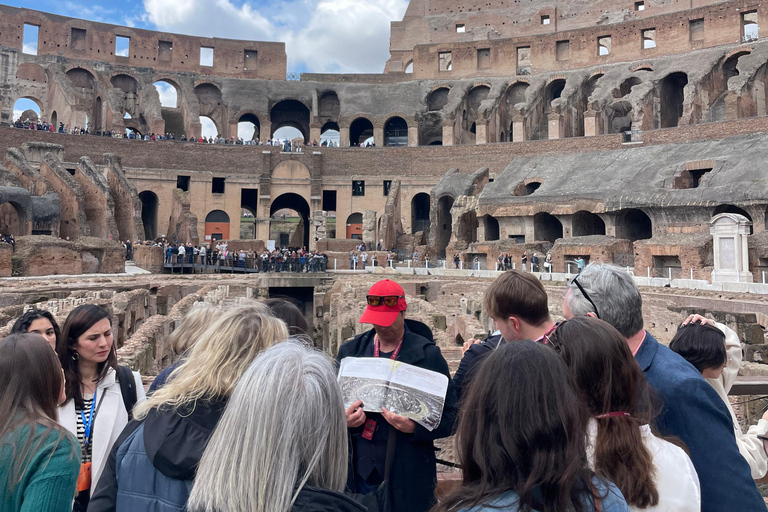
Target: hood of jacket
pixel 175 440
pixel 313 499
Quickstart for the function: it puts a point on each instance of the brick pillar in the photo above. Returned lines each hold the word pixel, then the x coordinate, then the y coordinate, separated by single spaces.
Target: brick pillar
pixel 610 224
pixel 448 135
pixel 555 126
pixel 591 123
pixel 518 129
pixel 232 130
pixel 314 134
pixel 567 222
pixel 344 137
pixel 378 136
pixel 413 136
pixel 266 131
pixel 481 133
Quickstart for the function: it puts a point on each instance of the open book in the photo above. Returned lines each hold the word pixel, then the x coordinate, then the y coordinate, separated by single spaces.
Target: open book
pixel 402 388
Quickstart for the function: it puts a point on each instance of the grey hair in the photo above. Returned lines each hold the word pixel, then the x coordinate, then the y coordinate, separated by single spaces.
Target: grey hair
pixel 284 427
pixel 614 293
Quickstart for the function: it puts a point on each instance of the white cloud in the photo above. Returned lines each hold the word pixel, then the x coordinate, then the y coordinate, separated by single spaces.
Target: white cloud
pixel 245 130
pixel 320 35
pixel 168 94
pixel 209 128
pixel 29 48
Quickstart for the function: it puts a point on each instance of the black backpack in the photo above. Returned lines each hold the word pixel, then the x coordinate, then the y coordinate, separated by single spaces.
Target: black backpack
pixel 127 389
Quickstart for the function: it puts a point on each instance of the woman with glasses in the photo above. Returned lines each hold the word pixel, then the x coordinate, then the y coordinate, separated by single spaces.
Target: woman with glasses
pixel 715 351
pixel 521 439
pixel 652 473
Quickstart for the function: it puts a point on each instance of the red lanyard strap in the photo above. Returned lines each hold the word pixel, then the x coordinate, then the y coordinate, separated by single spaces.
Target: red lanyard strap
pixel 376 347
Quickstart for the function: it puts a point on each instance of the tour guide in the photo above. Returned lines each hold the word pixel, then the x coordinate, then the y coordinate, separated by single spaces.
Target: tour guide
pixel 413 471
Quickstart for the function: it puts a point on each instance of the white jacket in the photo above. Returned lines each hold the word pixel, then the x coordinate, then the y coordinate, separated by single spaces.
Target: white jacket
pixel 676 478
pixel 750 447
pixel 109 423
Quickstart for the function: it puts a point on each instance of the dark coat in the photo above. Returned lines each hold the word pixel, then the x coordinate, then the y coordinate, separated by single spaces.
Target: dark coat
pixel 470 361
pixel 155 459
pixel 414 470
pixel 693 411
pixel 312 499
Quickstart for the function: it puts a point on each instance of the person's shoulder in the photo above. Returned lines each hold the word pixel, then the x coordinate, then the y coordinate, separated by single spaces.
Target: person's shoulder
pixel 671 369
pixel 353 347
pixel 611 498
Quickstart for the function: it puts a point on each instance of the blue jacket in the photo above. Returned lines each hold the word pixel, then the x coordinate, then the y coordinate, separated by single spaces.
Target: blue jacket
pixel 692 411
pixel 152 465
pixel 610 497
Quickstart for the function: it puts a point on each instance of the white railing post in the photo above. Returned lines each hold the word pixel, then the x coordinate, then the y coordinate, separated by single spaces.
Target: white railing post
pixel 443 264
pixel 713 276
pixel 670 274
pixel 427 262
pixel 497 266
pixel 409 263
pixel 691 274
pixel 569 269
pixel 334 264
pixel 461 264
pixel 514 265
pixel 763 276
pixel 354 265
pixel 649 272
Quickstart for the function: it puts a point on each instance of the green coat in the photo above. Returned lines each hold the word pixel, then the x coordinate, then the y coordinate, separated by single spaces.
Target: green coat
pixel 51 476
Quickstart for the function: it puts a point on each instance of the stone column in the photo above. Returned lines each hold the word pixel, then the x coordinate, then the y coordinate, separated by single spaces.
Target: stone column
pixel 344 136
pixel 448 135
pixel 567 222
pixel 730 232
pixel 265 133
pixel 556 128
pixel 610 224
pixel 232 130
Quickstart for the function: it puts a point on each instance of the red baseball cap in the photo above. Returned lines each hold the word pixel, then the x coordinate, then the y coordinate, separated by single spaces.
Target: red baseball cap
pixel 384 315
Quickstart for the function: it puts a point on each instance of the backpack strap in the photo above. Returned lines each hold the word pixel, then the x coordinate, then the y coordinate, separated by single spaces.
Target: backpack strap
pixel 127 389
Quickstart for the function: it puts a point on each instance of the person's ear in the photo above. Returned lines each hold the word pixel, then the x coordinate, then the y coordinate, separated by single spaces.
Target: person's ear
pixel 592 314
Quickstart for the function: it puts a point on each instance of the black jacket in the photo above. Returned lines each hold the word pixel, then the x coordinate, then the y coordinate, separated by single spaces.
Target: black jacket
pixel 470 361
pixel 312 499
pixel 414 470
pixel 173 443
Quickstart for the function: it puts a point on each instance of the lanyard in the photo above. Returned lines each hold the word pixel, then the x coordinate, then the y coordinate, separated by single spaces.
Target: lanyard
pixel 376 347
pixel 87 425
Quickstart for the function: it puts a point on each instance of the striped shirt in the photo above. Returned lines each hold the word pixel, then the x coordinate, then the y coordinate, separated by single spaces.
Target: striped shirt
pixel 85 449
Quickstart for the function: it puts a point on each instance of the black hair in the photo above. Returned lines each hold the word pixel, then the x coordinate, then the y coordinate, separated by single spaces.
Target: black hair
pixel 701 345
pixel 23 323
pixel 290 314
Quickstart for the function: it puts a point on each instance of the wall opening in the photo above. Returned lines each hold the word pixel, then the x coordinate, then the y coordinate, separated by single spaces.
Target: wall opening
pixel 217 185
pixel 182 183
pixel 26 110
pixel 750 31
pixel 249 127
pixel 491 228
pixel 329 200
pixel 672 95
pixel 298 204
pixel 547 227
pixel 122 46
pixel 330 134
pixel 437 99
pixel 690 178
pixel 420 213
pixel 604 45
pixel 149 204
pixel 633 224
pixel 208 127
pixel 396 132
pixel 729 208
pixel 290 114
pixel 168 93
pixel 361 132
pixel 355 226
pixel 31 39
pixel 206 56
pixel 216 226
pixel 649 38
pixel 586 224
pixel 444 224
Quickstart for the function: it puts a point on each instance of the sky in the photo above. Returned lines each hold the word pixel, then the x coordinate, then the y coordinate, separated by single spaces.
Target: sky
pixel 321 36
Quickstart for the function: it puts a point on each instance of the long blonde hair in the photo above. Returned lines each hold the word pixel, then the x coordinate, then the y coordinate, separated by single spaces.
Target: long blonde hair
pixel 219 358
pixel 195 322
pixel 284 428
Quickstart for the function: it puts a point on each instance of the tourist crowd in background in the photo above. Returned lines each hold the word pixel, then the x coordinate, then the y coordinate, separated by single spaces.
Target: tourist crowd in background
pixel 584 415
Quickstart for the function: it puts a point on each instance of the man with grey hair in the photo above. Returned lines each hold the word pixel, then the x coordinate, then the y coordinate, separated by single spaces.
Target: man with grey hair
pixel 690 408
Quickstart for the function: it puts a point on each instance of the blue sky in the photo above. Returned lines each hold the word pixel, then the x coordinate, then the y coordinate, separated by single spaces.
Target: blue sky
pixel 336 36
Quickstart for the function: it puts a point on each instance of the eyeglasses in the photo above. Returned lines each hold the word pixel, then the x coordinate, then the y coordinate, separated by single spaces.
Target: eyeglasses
pixel 585 294
pixel 389 300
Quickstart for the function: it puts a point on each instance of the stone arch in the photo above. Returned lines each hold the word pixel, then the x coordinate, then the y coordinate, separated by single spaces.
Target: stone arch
pixel 729 65
pixel 217 225
pixel 466 229
pixel 245 119
pixel 292 113
pixel 354 226
pixel 515 95
pixel 409 67
pixel 149 207
pixel 633 224
pixel 38 104
pixel 672 96
pixel 472 114
pixel 546 227
pixel 171 100
pixel 55 120
pixel 125 83
pixel 297 203
pixel 420 204
pixel 438 98
pixel 81 78
pixel 329 107
pixel 13 219
pixel 396 132
pixel 209 97
pixel 729 208
pixel 444 224
pixel 626 87
pixel 207 123
pixel 360 130
pixel 586 223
